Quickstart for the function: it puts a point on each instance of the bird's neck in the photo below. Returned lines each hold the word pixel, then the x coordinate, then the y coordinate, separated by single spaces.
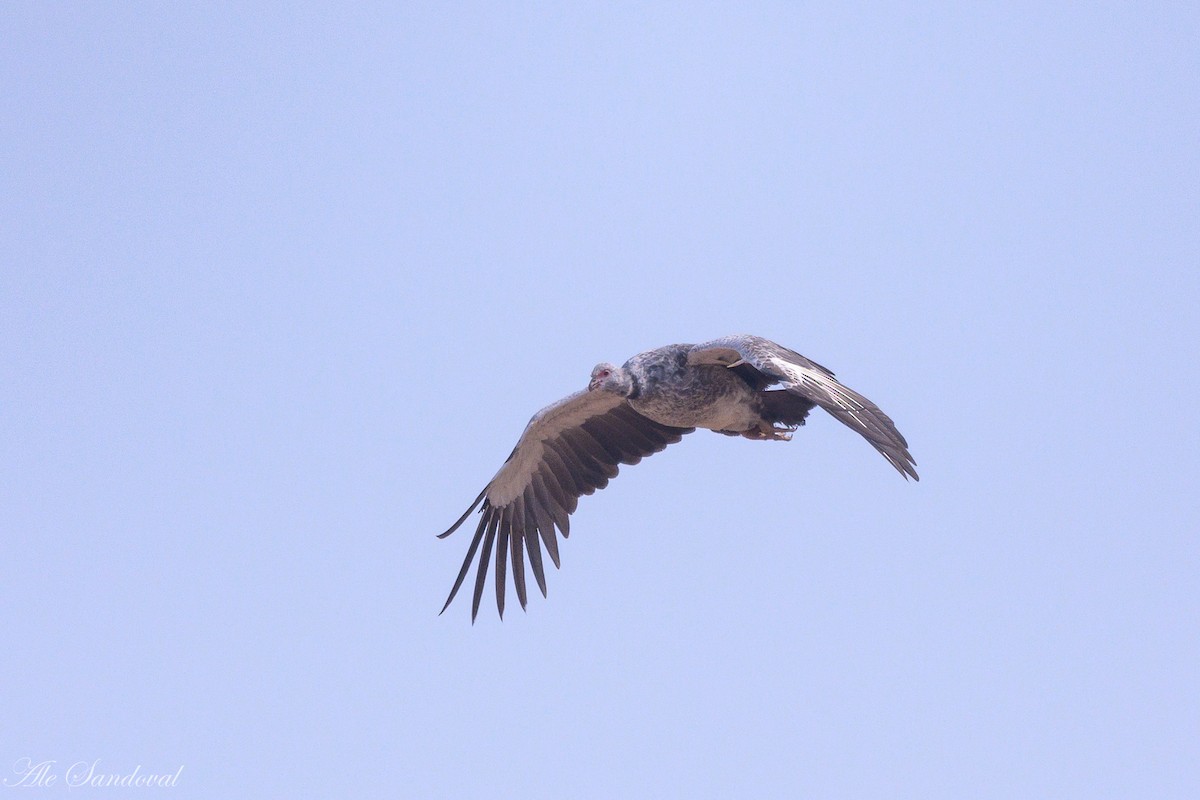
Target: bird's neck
pixel 635 385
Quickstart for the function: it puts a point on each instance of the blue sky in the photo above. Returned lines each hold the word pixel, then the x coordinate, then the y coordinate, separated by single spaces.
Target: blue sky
pixel 282 287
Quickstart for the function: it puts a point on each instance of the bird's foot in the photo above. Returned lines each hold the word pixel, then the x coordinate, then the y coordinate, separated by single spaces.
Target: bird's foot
pixel 782 434
pixel 771 433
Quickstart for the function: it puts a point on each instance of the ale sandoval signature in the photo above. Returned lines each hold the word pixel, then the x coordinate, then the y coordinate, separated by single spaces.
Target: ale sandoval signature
pixel 27 772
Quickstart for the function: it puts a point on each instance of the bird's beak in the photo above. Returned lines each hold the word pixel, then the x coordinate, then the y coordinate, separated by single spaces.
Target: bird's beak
pixel 592 384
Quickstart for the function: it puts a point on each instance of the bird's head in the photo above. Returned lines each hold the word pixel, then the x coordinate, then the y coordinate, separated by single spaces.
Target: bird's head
pixel 609 378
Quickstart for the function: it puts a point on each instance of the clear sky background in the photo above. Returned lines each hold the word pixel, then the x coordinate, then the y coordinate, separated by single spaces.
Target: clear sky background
pixel 281 288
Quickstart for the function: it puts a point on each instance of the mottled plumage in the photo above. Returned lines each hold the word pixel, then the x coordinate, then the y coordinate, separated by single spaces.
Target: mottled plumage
pixel 574 446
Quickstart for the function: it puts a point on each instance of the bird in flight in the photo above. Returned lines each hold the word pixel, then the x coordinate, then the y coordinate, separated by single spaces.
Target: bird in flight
pixel 573 447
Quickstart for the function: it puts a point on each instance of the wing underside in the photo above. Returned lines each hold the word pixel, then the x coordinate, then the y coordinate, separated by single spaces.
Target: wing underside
pixel 568 450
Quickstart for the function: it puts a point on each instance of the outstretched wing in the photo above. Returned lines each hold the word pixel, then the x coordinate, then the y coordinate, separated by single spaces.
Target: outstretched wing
pixel 568 449
pixel 810 380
